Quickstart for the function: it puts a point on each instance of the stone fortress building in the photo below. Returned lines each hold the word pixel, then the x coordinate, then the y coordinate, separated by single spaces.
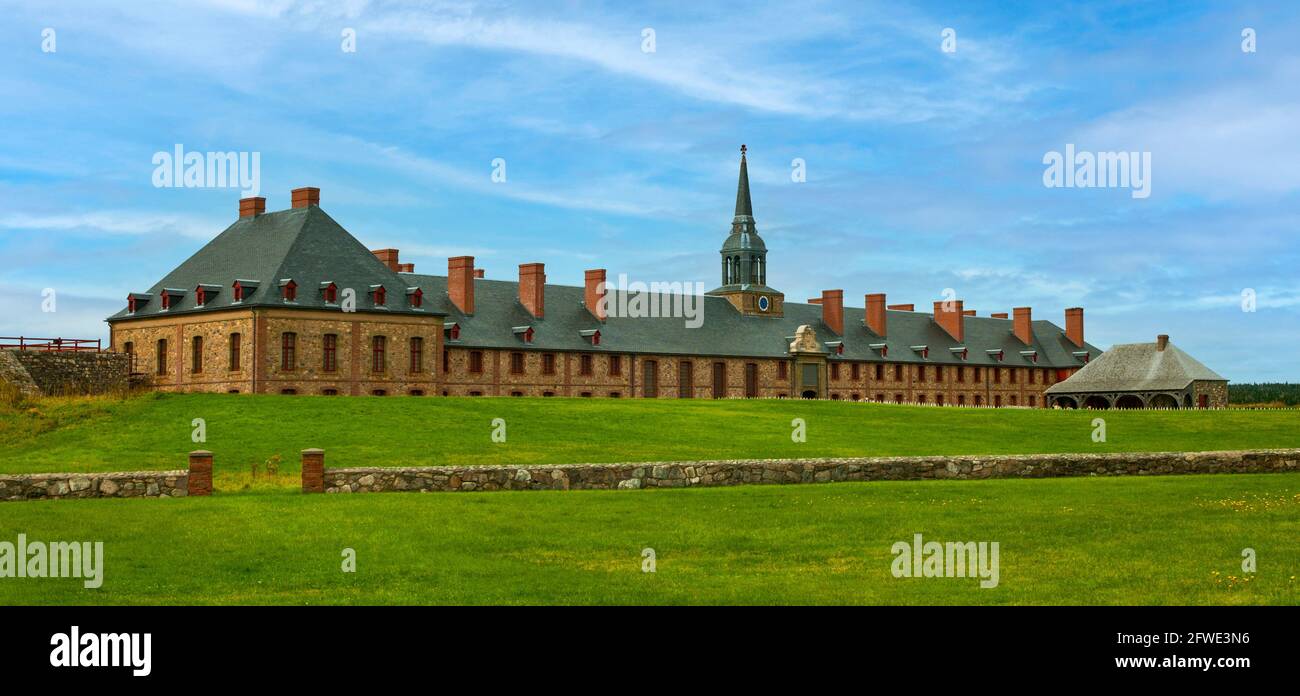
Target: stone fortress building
pixel 289 302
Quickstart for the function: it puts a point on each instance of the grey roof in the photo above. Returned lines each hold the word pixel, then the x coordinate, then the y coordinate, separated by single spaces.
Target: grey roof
pixel 727 332
pixel 301 244
pixel 1137 367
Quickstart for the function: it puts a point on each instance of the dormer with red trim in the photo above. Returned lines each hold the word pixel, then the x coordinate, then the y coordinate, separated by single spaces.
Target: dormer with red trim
pixel 243 289
pixel 592 336
pixel 923 351
pixel 415 296
pixel 1030 355
pixel 959 352
pixel 329 292
pixel 882 348
pixel 378 295
pixel 203 293
pixel 288 290
pixel 452 331
pixel 136 301
pixel 995 354
pixel 523 333
pixel 171 296
pixel 836 347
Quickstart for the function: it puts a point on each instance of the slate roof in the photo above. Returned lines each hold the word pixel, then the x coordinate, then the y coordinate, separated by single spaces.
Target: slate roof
pixel 728 333
pixel 1137 367
pixel 301 244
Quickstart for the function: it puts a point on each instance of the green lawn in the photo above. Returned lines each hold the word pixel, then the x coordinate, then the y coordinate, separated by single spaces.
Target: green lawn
pixel 1140 540
pixel 154 431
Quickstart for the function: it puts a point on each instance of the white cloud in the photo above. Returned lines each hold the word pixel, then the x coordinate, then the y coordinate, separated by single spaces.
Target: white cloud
pixel 114 222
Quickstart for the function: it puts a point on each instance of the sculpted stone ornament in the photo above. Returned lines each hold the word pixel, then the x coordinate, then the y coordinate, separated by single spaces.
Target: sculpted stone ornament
pixel 805 341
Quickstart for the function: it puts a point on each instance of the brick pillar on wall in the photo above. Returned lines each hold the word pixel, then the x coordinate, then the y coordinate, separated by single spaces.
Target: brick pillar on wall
pixel 200 478
pixel 313 471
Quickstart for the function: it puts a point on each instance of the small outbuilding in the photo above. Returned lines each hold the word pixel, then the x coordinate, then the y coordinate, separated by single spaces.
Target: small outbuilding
pixel 1141 375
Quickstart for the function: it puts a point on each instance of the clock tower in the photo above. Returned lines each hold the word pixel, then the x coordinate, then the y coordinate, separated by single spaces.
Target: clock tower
pixel 744 259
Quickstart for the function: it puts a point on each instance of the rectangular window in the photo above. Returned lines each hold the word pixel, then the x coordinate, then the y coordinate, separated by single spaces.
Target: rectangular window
pixel 835 371
pixel 288 351
pixel 196 355
pixel 234 351
pixel 920 373
pixel 979 374
pixel 781 368
pixel 417 354
pixel 615 365
pixel 516 363
pixel 857 371
pixel 1014 375
pixel 378 353
pixel 685 379
pixel 961 373
pixel 880 374
pixel 650 379
pixel 476 362
pixel 898 374
pixel 997 376
pixel 162 356
pixel 548 363
pixel 330 353
pixel 446 361
pixel 584 364
pixel 938 373
pixel 129 349
pixel 719 380
pixel 751 380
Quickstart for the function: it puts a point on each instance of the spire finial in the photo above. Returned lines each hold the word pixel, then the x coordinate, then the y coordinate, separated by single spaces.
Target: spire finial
pixel 742 149
pixel 743 206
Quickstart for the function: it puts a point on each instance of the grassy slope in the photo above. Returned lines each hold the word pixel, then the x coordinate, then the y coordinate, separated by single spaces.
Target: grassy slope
pixel 1154 540
pixel 153 432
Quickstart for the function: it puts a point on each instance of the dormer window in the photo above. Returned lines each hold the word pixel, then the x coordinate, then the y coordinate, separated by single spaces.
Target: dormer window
pixel 452 331
pixel 592 336
pixel 329 292
pixel 170 296
pixel 1081 355
pixel 415 296
pixel 923 351
pixel 882 348
pixel 523 333
pixel 959 352
pixel 995 354
pixel 1030 355
pixel 378 295
pixel 242 290
pixel 288 290
pixel 203 293
pixel 136 300
pixel 836 346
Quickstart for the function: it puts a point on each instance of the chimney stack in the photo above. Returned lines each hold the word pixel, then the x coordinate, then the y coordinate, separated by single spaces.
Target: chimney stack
pixel 903 307
pixel 876 313
pixel 594 282
pixel 1162 342
pixel 388 257
pixel 1024 325
pixel 833 310
pixel 532 288
pixel 952 320
pixel 303 197
pixel 405 268
pixel 1074 325
pixel 999 315
pixel 478 272
pixel 460 282
pixel 968 313
pixel 252 207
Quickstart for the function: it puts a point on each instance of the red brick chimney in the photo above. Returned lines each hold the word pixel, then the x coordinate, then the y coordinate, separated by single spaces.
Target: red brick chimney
pixel 252 207
pixel 833 310
pixel 388 257
pixel 532 288
pixel 303 197
pixel 999 315
pixel 405 268
pixel 953 319
pixel 1162 342
pixel 594 282
pixel 478 272
pixel 903 307
pixel 1074 325
pixel 968 313
pixel 876 313
pixel 1024 325
pixel 460 282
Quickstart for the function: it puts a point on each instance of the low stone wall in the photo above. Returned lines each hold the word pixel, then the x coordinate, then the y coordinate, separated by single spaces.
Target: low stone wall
pixel 55 373
pixel 739 472
pixel 122 484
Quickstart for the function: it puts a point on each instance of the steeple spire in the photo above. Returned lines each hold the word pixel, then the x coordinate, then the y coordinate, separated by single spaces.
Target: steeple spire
pixel 743 205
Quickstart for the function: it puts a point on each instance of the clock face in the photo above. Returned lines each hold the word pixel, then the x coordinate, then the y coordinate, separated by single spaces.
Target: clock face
pixel 763 303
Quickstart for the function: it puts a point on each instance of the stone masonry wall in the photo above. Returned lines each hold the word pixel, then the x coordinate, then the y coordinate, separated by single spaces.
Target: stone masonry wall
pixel 59 373
pixel 738 472
pixel 126 484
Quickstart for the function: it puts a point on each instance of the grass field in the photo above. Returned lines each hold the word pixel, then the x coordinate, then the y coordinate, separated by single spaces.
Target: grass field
pixel 1149 540
pixel 1138 540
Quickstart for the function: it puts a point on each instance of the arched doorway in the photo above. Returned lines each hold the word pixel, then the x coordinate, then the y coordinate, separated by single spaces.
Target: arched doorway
pixel 1129 401
pixel 1164 401
pixel 1187 401
pixel 809 394
pixel 1097 402
pixel 1065 402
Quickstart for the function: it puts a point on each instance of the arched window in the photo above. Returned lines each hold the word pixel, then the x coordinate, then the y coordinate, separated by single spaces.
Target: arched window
pixel 726 271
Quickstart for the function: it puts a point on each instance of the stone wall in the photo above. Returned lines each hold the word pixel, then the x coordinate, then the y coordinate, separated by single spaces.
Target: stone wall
pixel 126 484
pixel 58 373
pixel 738 472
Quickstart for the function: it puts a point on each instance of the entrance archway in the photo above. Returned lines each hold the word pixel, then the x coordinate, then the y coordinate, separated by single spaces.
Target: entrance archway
pixel 809 394
pixel 1129 401
pixel 1164 401
pixel 1065 402
pixel 1097 402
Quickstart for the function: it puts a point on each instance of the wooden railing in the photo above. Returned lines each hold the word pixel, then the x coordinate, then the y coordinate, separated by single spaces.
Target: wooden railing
pixel 57 345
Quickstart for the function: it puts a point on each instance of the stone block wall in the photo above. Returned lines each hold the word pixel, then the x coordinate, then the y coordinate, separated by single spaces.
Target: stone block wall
pixel 771 471
pixel 61 373
pixel 126 484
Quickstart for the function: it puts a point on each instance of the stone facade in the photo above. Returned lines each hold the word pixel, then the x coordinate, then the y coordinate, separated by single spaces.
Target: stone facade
pixel 949 385
pixel 739 472
pixel 57 373
pixel 128 484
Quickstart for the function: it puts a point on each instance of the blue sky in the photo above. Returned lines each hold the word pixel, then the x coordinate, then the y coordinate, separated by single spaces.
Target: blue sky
pixel 924 168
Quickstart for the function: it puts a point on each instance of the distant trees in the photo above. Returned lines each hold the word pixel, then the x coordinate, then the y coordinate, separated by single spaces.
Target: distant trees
pixel 1274 393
